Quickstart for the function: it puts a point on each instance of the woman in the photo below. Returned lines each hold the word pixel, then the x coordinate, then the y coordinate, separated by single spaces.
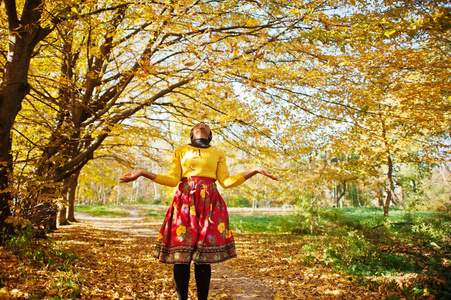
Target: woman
pixel 196 226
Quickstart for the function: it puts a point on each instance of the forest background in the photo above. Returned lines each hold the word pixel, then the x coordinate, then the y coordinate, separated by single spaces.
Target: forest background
pixel 348 102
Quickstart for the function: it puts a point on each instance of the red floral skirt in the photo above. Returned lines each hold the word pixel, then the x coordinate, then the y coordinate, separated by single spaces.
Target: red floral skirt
pixel 196 227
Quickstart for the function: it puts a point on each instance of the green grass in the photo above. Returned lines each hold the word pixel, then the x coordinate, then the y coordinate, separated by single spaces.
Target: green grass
pixel 155 214
pixel 260 223
pixel 120 211
pixel 102 210
pixel 374 216
pixel 45 254
pixel 326 220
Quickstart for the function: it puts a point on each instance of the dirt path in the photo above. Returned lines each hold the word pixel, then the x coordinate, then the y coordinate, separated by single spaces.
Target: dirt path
pixel 137 233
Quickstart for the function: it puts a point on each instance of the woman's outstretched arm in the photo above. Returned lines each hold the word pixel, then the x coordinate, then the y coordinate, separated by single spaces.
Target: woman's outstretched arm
pixel 133 175
pixel 259 170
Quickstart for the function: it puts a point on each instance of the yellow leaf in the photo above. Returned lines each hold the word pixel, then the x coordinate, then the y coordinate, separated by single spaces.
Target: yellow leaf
pixel 4 291
pixel 389 32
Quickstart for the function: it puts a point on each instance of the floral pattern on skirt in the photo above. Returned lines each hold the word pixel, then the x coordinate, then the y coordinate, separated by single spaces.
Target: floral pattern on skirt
pixel 196 227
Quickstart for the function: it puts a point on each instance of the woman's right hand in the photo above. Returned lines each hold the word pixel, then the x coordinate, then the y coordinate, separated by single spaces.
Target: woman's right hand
pixel 265 172
pixel 132 176
pixel 259 170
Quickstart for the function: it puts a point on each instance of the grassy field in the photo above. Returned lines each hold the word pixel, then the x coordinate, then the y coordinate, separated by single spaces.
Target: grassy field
pixel 111 211
pixel 298 221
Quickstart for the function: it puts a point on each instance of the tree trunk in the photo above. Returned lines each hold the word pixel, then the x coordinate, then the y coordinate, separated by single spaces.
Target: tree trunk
pixel 402 193
pixel 24 34
pixel 312 215
pixel 444 174
pixel 72 188
pixel 340 197
pixel 103 195
pixel 312 223
pixel 118 197
pixel 5 195
pixel 62 206
pixel 12 92
pixel 390 188
pixel 380 199
pixel 63 215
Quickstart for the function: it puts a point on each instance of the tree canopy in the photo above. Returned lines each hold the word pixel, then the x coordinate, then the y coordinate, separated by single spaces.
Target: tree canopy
pixel 297 82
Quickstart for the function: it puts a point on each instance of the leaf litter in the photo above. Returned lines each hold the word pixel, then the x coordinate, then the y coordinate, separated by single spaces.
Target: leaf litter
pixel 116 262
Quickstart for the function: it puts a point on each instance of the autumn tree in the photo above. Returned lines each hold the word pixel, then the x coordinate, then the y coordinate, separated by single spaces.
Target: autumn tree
pixel 183 59
pixel 399 87
pixel 27 24
pixel 25 31
pixel 381 91
pixel 302 75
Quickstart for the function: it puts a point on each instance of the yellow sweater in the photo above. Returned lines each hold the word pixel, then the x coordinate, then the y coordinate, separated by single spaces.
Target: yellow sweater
pixel 188 161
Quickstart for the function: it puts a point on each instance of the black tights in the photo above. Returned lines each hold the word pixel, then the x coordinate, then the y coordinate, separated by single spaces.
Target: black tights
pixel 181 277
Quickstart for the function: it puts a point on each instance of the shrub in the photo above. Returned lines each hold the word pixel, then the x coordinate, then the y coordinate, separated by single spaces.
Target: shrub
pixel 238 201
pixel 41 252
pixel 349 252
pixel 299 223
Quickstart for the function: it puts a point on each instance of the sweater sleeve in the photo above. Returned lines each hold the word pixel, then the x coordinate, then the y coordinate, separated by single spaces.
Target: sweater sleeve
pixel 175 172
pixel 224 179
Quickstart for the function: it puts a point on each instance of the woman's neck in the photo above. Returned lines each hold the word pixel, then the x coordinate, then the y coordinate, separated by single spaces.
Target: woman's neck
pixel 200 143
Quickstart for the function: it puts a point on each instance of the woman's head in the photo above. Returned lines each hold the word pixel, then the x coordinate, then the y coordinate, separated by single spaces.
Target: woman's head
pixel 201 131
